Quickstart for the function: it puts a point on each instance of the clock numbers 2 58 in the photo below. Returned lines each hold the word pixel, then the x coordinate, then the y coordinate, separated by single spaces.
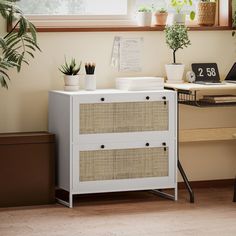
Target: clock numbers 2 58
pixel 211 72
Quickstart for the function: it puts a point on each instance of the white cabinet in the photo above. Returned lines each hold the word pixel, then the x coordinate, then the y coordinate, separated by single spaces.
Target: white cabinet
pixel 112 140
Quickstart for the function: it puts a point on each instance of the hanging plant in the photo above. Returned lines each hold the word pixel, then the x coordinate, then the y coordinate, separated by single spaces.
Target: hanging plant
pixel 18 45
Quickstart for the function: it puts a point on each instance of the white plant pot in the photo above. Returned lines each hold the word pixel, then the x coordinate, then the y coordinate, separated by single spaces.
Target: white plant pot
pixel 71 88
pixel 144 18
pixel 71 80
pixel 90 82
pixel 179 18
pixel 174 73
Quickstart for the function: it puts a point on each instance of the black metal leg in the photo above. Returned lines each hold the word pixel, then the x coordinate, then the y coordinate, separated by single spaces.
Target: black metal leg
pixel 181 170
pixel 234 200
pixel 187 184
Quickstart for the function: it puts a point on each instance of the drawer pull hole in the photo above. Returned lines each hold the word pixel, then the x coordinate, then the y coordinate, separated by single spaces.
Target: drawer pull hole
pixel 102 146
pixel 102 99
pixel 147 98
pixel 147 144
pixel 163 144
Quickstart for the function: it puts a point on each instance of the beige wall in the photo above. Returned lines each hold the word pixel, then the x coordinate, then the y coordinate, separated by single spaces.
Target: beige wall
pixel 24 106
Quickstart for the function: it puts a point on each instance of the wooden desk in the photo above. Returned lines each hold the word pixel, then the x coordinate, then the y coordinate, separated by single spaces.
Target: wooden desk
pixel 201 87
pixel 190 94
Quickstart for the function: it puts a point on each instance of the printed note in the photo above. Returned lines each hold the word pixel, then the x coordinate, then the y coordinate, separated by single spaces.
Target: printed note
pixel 127 54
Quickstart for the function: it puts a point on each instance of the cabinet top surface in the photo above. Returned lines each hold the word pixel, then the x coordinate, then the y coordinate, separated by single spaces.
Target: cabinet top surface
pixel 107 91
pixel 198 87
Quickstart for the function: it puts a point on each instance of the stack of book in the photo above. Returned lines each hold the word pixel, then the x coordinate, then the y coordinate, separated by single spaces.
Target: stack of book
pixel 219 99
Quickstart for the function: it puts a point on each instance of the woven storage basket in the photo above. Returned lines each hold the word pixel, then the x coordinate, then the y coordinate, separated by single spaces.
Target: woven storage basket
pixel 123 164
pixel 123 117
pixel 206 13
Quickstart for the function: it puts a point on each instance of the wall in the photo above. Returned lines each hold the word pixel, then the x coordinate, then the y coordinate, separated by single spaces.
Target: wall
pixel 24 106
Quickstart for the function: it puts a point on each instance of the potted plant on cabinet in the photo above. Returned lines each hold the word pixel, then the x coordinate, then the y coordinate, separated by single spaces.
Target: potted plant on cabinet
pixel 179 16
pixel 176 38
pixel 71 77
pixel 206 12
pixel 161 16
pixel 16 46
pixel 144 16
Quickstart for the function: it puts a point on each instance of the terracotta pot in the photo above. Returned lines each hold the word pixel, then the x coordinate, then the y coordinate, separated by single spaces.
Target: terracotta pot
pixel 161 18
pixel 206 13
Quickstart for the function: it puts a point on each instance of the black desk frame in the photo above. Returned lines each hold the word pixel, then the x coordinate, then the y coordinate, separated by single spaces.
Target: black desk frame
pixel 188 97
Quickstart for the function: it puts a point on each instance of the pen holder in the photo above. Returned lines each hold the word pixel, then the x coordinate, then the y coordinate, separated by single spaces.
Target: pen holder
pixel 90 82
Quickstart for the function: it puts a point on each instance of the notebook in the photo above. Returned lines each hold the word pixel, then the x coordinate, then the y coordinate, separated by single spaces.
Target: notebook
pixel 231 77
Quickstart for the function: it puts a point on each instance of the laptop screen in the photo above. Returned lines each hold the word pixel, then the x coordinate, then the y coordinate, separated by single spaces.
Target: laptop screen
pixel 206 72
pixel 232 74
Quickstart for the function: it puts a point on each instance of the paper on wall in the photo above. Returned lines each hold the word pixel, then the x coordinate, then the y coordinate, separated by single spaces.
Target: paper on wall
pixel 115 57
pixel 127 54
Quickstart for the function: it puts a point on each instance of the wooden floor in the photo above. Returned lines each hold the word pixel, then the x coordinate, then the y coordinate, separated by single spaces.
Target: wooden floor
pixel 127 214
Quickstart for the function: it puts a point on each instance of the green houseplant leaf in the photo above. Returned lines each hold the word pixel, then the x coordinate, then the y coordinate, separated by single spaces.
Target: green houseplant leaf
pixel 17 45
pixel 177 38
pixel 71 68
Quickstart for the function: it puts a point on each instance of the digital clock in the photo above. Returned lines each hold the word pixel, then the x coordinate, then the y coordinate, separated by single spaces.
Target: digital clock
pixel 206 72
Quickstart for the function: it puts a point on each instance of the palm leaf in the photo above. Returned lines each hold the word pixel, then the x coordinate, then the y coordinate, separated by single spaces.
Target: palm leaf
pixel 15 46
pixel 30 53
pixel 33 31
pixel 3 82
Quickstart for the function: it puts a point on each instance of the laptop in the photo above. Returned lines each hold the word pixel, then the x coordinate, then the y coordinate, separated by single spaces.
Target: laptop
pixel 231 77
pixel 206 73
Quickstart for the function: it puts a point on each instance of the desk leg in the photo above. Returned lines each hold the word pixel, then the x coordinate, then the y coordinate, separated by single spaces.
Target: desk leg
pixel 234 200
pixel 181 170
pixel 187 184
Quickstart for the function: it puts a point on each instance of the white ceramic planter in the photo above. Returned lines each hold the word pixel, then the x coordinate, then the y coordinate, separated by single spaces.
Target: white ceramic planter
pixel 90 82
pixel 71 88
pixel 71 80
pixel 144 18
pixel 179 19
pixel 174 73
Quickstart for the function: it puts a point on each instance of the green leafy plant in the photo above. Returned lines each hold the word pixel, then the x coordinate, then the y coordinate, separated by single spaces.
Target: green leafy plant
pixel 18 44
pixel 179 4
pixel 234 23
pixel 70 68
pixel 162 10
pixel 144 9
pixel 177 38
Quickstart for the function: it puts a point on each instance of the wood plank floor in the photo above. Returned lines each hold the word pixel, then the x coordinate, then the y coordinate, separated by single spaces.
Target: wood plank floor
pixel 127 214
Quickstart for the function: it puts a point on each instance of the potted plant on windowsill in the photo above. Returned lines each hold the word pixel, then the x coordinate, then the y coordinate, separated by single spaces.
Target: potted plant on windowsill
pixel 71 77
pixel 179 16
pixel 206 12
pixel 144 16
pixel 176 38
pixel 161 16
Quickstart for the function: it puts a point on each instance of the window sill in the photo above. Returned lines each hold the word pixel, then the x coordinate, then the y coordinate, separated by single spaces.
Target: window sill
pixel 126 28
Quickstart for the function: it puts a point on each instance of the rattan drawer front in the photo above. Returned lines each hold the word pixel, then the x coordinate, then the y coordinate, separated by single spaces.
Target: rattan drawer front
pixel 96 118
pixel 123 164
pixel 123 117
pixel 140 116
pixel 96 165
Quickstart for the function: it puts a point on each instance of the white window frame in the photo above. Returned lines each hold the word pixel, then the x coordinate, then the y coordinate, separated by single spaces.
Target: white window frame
pixel 71 21
pixel 67 23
